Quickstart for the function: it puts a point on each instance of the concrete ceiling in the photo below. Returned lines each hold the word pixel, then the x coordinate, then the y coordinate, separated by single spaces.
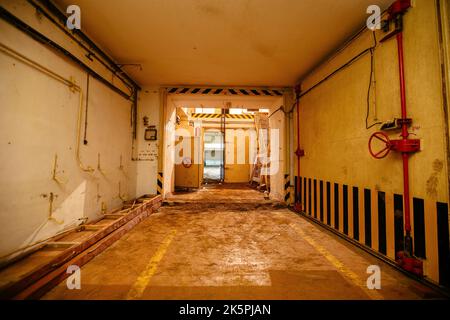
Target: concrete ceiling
pixel 221 42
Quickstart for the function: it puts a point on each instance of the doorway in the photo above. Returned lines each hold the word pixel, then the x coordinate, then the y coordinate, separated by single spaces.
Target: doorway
pixel 213 165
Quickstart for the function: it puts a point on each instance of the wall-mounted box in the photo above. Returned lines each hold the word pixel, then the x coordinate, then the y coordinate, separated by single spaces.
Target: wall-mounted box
pixel 151 134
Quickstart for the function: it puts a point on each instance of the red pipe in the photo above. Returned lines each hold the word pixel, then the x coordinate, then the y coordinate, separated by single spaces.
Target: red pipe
pixel 405 133
pixel 298 146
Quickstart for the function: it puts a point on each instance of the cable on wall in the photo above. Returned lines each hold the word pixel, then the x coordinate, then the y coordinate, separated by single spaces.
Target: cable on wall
pixel 370 50
pixel 371 79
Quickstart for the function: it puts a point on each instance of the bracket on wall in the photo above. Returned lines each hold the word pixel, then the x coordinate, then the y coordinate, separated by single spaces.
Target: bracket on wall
pixel 55 172
pixel 104 208
pixel 99 196
pixel 99 168
pixel 51 198
pixel 121 196
pixel 395 15
pixel 72 84
pixel 121 167
pixel 120 164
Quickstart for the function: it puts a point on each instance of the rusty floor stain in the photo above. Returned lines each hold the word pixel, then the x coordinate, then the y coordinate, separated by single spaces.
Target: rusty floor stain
pixel 230 243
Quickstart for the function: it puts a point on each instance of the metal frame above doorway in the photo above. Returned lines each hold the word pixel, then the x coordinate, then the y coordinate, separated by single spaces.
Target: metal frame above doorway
pixel 227 91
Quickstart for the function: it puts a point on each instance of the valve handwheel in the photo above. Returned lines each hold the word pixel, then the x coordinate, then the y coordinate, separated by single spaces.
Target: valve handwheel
pixel 381 136
pixel 187 162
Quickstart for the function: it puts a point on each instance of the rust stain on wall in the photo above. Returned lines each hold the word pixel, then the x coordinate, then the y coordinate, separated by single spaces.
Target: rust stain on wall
pixel 433 180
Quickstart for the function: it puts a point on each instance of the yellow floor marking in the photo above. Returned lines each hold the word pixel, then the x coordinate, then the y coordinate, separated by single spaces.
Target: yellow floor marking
pixel 350 275
pixel 144 278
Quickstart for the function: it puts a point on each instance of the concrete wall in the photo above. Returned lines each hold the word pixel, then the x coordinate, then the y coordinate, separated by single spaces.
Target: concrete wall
pixel 277 151
pixel 146 153
pixel 168 152
pixel 38 121
pixel 334 135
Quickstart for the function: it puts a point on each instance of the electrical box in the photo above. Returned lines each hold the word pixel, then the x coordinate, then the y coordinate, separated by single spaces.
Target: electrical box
pixel 151 134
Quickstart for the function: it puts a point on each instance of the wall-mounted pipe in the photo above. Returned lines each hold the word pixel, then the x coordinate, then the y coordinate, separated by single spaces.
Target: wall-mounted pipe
pixel 88 169
pixel 120 196
pixel 36 35
pixel 298 206
pixel 404 135
pixel 99 167
pixel 99 196
pixel 51 199
pixel 70 83
pixel 55 172
pixel 62 18
pixel 404 145
pixel 110 65
pixel 120 164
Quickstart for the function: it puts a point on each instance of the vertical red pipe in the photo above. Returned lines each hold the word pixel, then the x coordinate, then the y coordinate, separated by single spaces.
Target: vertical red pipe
pixel 298 145
pixel 405 133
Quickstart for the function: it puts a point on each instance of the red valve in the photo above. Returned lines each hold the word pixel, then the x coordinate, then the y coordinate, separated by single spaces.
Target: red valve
pixel 400 145
pixel 383 138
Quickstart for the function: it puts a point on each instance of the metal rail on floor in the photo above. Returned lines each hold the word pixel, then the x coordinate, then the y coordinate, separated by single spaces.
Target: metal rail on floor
pixel 440 289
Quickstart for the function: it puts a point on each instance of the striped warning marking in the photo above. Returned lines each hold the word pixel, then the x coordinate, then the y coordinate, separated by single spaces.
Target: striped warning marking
pixel 227 91
pixel 159 183
pixel 218 115
pixel 143 280
pixel 287 188
pixel 206 115
pixel 374 218
pixel 347 273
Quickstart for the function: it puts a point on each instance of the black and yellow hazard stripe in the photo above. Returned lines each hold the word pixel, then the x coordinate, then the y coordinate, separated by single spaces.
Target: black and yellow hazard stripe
pixel 274 92
pixel 160 184
pixel 287 188
pixel 374 218
pixel 206 115
pixel 240 116
pixel 218 115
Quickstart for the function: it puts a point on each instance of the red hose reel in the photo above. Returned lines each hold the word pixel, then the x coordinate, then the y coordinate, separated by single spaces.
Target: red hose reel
pixel 400 145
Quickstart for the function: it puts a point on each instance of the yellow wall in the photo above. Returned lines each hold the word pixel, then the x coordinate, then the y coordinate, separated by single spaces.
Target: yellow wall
pixel 335 139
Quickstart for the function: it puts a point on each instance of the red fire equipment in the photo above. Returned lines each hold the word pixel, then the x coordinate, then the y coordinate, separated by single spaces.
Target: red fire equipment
pixel 404 145
pixel 299 152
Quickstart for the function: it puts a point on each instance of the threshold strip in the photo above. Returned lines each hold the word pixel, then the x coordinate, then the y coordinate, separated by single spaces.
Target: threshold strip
pixel 143 280
pixel 348 274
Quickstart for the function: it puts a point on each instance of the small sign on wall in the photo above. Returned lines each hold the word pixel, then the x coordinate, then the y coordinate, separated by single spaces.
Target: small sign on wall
pixel 151 134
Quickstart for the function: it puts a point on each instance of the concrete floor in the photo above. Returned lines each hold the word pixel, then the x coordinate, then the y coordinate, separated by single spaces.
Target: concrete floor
pixel 227 242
